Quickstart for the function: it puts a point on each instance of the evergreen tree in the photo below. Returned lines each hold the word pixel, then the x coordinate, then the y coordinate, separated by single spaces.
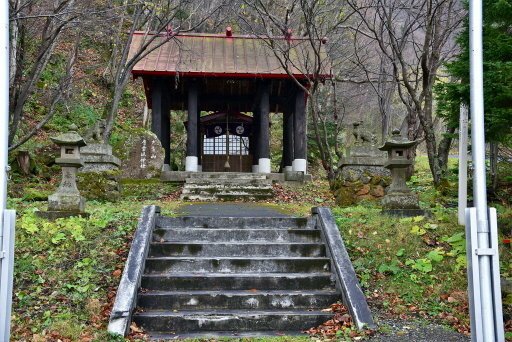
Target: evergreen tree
pixel 497 53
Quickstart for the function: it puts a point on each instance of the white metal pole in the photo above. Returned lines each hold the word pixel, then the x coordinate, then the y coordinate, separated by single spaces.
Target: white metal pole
pixel 5 226
pixel 478 157
pixel 463 163
pixel 4 100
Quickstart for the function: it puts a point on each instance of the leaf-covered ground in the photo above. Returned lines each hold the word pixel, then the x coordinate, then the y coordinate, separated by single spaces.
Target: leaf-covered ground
pixel 412 270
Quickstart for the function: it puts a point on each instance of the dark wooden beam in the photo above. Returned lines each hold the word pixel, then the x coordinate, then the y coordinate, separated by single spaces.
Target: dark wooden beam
pixel 192 148
pixel 264 129
pixel 299 132
pixel 287 138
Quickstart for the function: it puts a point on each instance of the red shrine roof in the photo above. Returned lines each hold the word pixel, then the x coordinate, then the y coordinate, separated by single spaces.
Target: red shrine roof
pixel 226 55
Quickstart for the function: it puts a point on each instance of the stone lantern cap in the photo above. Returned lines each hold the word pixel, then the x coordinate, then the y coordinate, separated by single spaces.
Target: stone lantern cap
pixel 397 141
pixel 70 138
pixel 70 144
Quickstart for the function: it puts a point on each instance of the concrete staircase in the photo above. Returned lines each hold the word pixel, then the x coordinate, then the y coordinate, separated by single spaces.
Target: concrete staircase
pixel 227 186
pixel 227 276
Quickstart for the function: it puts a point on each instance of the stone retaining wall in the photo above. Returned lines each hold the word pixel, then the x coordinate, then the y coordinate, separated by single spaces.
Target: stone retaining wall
pixel 360 182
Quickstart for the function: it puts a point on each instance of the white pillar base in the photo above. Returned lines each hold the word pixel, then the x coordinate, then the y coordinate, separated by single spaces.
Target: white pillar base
pixel 264 165
pixel 300 165
pixel 255 169
pixel 288 168
pixel 166 167
pixel 191 164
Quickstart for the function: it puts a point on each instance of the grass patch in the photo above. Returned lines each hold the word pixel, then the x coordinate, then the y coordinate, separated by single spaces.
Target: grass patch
pixel 67 272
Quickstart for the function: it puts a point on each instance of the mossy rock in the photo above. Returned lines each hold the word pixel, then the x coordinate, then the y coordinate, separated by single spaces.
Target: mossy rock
pixel 345 196
pixel 103 186
pixel 31 194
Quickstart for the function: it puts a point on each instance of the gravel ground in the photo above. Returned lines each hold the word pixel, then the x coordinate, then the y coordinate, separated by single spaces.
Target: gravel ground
pixel 395 330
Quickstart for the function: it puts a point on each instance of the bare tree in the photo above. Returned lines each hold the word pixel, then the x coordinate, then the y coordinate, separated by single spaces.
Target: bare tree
pixel 50 22
pixel 157 19
pixel 313 21
pixel 416 37
pixel 61 91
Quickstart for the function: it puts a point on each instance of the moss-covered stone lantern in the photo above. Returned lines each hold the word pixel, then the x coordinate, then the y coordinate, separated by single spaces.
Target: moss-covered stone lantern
pixel 399 199
pixel 67 201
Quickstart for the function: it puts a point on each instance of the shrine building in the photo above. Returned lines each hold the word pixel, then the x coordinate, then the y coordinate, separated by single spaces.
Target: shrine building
pixel 236 80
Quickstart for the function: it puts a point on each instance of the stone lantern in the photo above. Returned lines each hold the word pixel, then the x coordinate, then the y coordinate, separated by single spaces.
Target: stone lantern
pixel 399 199
pixel 67 201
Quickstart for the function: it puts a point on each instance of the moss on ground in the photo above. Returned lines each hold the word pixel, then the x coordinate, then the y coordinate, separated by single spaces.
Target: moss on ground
pixel 66 272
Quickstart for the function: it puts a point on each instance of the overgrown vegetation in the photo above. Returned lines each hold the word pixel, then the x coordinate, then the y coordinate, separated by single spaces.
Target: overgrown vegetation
pixel 67 271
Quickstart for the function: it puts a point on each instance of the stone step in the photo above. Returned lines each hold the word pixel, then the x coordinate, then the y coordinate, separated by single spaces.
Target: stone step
pixel 238 264
pixel 234 222
pixel 236 249
pixel 237 281
pixel 235 235
pixel 237 320
pixel 229 181
pixel 223 335
pixel 236 300
pixel 224 197
pixel 227 192
pixel 214 188
pixel 227 175
pixel 223 191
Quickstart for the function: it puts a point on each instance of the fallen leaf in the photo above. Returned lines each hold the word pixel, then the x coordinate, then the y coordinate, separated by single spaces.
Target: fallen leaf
pixel 135 329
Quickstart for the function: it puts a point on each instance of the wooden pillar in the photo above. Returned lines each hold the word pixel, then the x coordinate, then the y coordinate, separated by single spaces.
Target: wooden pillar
pixel 160 117
pixel 199 142
pixel 166 126
pixel 255 139
pixel 156 104
pixel 191 161
pixel 264 131
pixel 299 133
pixel 287 139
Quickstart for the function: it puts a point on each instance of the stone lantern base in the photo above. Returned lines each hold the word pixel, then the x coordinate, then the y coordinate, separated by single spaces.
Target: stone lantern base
pixel 66 202
pixel 62 205
pixel 402 204
pixel 53 215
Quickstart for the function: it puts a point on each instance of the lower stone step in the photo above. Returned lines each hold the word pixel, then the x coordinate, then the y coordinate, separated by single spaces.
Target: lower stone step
pixel 236 300
pixel 238 320
pixel 239 264
pixel 236 249
pixel 229 186
pixel 236 235
pixel 223 335
pixel 234 222
pixel 225 197
pixel 237 281
pixel 234 182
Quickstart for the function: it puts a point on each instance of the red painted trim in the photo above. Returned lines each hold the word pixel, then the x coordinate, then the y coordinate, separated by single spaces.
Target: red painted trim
pixel 137 73
pixel 215 35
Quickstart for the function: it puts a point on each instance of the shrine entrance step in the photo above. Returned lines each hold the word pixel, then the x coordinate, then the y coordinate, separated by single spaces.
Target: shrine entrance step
pixel 226 186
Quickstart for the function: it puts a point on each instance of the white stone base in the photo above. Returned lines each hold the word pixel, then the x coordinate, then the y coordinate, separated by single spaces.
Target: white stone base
pixel 288 168
pixel 166 167
pixel 191 164
pixel 264 165
pixel 300 165
pixel 255 169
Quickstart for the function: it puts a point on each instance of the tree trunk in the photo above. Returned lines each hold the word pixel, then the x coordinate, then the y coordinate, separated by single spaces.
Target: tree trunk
pixel 494 166
pixel 412 123
pixel 117 93
pixel 23 159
